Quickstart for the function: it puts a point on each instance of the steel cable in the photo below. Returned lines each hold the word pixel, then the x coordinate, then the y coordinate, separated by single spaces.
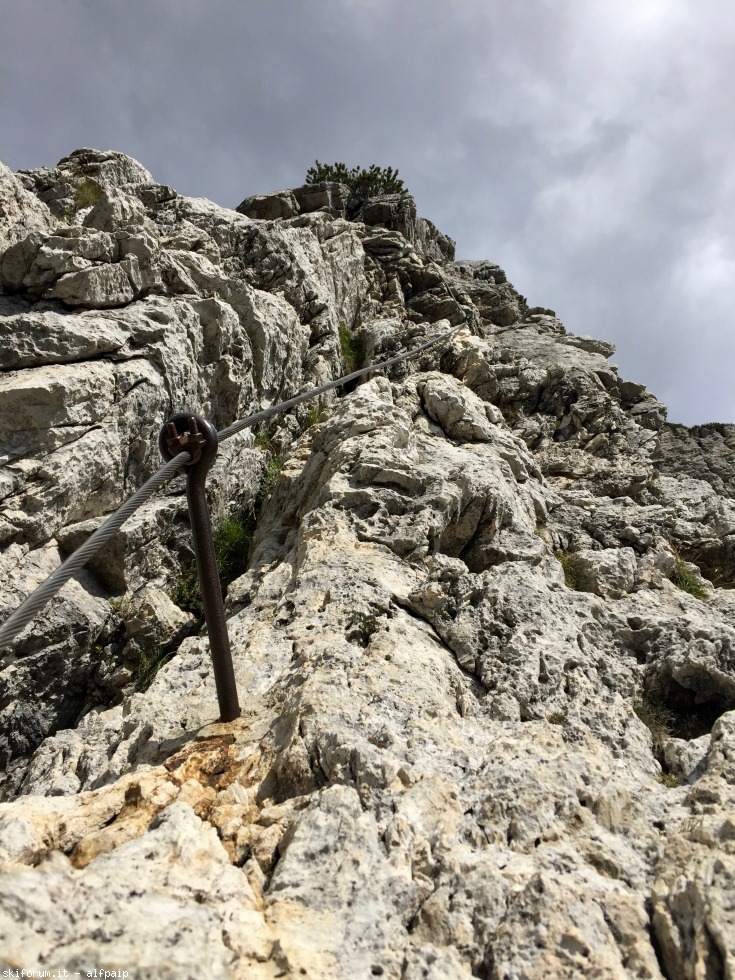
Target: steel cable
pixel 75 562
pixel 267 413
pixel 33 604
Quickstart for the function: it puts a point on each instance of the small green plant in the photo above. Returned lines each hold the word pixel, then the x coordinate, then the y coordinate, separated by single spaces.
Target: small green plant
pixel 364 625
pixel 685 579
pixel 659 720
pixel 232 538
pixel 120 604
pixel 352 349
pixel 186 594
pixel 369 182
pixel 270 478
pixel 264 440
pixel 676 717
pixel 86 194
pixel 152 658
pixel 566 560
pixel 557 717
pixel 669 779
pixel 312 416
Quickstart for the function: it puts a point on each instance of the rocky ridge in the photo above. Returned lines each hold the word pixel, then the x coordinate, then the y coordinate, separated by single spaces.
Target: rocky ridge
pixel 483 637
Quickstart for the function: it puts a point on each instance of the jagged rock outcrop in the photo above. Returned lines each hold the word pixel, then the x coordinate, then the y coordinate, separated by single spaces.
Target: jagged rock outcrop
pixel 21 213
pixel 394 212
pixel 484 637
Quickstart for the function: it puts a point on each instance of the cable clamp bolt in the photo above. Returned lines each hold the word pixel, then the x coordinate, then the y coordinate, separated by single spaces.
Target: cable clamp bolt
pixel 190 439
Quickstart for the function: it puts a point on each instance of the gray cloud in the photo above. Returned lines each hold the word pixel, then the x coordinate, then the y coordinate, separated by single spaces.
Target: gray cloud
pixel 586 148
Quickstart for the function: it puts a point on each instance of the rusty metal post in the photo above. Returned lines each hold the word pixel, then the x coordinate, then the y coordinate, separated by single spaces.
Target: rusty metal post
pixel 199 437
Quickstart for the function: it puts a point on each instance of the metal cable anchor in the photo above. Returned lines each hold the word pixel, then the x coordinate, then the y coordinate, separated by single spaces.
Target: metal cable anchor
pixel 199 437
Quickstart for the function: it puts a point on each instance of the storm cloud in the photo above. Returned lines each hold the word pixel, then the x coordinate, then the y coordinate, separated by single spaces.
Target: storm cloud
pixel 586 148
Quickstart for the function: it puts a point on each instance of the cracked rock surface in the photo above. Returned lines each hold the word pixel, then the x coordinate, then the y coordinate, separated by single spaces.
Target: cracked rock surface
pixel 484 636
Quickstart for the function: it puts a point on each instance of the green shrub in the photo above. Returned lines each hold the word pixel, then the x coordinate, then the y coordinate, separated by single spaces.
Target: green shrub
pixel 566 560
pixel 557 717
pixel 364 625
pixel 86 194
pixel 374 180
pixel 352 349
pixel 669 779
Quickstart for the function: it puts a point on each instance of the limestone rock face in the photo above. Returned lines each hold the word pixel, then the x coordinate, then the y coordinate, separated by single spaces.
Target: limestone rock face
pixel 395 212
pixel 21 213
pixel 484 635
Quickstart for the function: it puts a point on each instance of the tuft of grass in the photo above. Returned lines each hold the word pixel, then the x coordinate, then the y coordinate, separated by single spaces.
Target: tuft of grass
pixel 264 441
pixel 352 349
pixel 270 478
pixel 232 539
pixel 186 594
pixel 659 720
pixel 669 779
pixel 685 579
pixel 566 560
pixel 120 604
pixel 313 414
pixel 542 533
pixel 557 717
pixel 152 658
pixel 676 718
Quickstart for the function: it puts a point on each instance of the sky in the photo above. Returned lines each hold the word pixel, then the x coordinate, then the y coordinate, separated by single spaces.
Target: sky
pixel 585 146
